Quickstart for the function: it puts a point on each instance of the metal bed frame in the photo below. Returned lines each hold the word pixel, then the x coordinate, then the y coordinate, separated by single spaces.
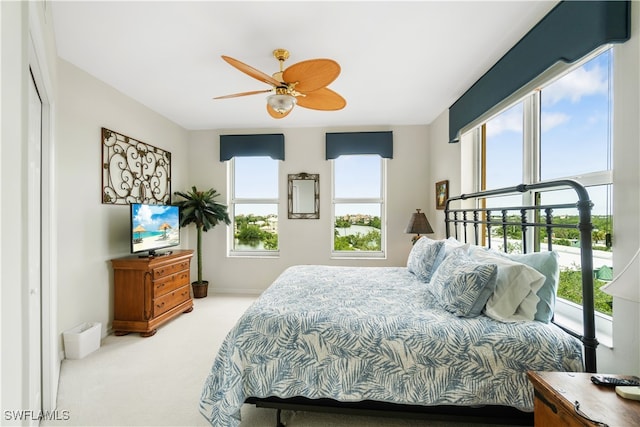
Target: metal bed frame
pixel 478 219
pixel 475 218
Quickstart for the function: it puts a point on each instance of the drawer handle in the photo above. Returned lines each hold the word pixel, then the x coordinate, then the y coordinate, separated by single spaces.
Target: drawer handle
pixel 160 305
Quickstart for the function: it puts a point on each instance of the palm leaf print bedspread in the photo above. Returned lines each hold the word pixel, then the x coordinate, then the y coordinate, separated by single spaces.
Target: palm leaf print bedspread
pixel 375 333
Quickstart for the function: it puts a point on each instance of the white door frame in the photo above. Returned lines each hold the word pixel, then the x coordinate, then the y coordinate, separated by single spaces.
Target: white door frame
pixel 50 354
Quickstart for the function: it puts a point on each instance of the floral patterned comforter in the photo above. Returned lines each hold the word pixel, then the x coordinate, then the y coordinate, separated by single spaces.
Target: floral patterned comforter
pixel 375 333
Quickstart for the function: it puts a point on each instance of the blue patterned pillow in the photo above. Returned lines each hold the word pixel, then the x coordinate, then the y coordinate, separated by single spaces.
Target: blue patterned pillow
pixel 463 285
pixel 425 256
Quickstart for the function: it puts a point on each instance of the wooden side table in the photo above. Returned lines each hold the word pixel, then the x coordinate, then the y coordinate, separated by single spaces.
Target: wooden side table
pixel 556 394
pixel 150 291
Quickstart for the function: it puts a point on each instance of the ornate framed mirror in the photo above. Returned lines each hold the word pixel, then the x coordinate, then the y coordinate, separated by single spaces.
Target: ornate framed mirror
pixel 304 196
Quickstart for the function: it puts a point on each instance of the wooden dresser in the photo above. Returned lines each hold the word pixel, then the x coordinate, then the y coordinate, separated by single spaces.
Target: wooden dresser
pixel 150 291
pixel 556 394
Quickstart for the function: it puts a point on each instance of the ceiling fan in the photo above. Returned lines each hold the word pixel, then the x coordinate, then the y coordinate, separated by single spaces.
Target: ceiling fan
pixel 304 83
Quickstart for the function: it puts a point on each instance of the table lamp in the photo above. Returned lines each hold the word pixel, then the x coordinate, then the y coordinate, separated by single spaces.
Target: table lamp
pixel 627 290
pixel 418 224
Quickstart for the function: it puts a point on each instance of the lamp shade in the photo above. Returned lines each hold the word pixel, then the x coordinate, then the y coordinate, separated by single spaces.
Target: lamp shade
pixel 418 224
pixel 628 289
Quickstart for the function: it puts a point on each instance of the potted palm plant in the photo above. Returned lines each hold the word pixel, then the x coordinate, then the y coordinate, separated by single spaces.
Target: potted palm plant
pixel 201 209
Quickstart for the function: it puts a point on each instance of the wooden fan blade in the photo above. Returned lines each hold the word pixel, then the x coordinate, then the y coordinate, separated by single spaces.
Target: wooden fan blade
pixel 235 95
pixel 322 99
pixel 312 75
pixel 273 113
pixel 249 70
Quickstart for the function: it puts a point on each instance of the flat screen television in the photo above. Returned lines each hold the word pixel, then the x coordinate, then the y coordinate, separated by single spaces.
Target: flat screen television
pixel 154 227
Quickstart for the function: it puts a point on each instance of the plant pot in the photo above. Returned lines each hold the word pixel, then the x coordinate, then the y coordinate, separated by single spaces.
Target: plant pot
pixel 200 289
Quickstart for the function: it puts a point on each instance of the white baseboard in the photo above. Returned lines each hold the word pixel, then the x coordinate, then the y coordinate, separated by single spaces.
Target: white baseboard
pixel 244 292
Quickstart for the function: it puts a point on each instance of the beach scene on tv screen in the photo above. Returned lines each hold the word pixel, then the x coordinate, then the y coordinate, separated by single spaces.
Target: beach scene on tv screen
pixel 154 227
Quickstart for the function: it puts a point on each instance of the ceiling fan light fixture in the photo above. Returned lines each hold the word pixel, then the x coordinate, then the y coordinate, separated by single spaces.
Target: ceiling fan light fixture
pixel 281 103
pixel 305 81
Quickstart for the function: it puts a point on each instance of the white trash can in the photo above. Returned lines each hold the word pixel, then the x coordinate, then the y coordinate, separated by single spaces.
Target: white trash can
pixel 82 340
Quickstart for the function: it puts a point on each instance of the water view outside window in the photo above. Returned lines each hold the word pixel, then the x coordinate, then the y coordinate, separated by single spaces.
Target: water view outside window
pixel 254 204
pixel 575 119
pixel 358 203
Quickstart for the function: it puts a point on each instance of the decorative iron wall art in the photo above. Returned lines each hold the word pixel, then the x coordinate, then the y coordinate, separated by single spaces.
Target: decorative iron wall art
pixel 133 171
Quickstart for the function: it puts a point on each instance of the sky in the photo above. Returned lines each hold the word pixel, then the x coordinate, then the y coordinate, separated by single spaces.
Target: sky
pixel 575 131
pixel 357 176
pixel 151 217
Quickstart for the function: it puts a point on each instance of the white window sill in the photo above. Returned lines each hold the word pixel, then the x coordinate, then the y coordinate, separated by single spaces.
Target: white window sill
pixel 569 315
pixel 254 254
pixel 358 255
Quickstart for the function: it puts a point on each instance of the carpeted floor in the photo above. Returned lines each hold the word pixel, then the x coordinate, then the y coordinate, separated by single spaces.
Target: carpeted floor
pixel 156 381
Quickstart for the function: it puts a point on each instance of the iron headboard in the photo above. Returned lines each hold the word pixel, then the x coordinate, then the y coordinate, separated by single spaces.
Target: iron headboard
pixel 474 220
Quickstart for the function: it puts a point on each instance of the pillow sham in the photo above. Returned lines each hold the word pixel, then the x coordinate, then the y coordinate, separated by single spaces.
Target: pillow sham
pixel 425 256
pixel 548 264
pixel 514 297
pixel 451 244
pixel 463 285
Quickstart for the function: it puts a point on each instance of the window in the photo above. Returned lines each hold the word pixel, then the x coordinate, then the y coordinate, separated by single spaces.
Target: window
pixel 254 205
pixel 358 205
pixel 575 121
pixel 562 130
pixel 503 140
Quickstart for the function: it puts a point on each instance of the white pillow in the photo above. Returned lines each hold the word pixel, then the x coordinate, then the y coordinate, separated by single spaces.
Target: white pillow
pixel 548 264
pixel 451 244
pixel 514 297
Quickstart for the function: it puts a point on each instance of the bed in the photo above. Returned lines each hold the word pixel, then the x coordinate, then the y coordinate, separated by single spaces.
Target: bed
pixel 446 332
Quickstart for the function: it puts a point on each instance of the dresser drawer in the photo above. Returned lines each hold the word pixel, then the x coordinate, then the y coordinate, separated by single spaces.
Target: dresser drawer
pixel 167 270
pixel 170 283
pixel 167 301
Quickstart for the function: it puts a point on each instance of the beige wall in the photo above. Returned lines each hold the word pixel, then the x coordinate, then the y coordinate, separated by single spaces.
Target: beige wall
pixel 625 354
pixel 308 241
pixel 88 234
pixel 13 135
pixel 444 163
pixel 91 233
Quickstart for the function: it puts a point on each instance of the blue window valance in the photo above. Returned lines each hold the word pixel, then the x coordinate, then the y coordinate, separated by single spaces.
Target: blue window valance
pixel 271 145
pixel 339 143
pixel 567 33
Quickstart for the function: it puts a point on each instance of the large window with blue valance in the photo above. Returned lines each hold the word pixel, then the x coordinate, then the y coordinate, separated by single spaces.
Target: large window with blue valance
pixel 358 161
pixel 561 130
pixel 253 171
pixel 568 33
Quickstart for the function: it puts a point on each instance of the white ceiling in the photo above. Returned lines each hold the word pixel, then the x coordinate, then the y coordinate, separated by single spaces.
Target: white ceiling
pixel 402 63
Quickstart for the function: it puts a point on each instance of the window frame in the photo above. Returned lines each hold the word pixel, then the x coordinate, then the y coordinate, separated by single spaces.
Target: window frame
pixel 233 201
pixel 568 314
pixel 381 254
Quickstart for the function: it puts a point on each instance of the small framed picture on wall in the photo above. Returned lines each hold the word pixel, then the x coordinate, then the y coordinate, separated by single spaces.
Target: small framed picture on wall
pixel 442 193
